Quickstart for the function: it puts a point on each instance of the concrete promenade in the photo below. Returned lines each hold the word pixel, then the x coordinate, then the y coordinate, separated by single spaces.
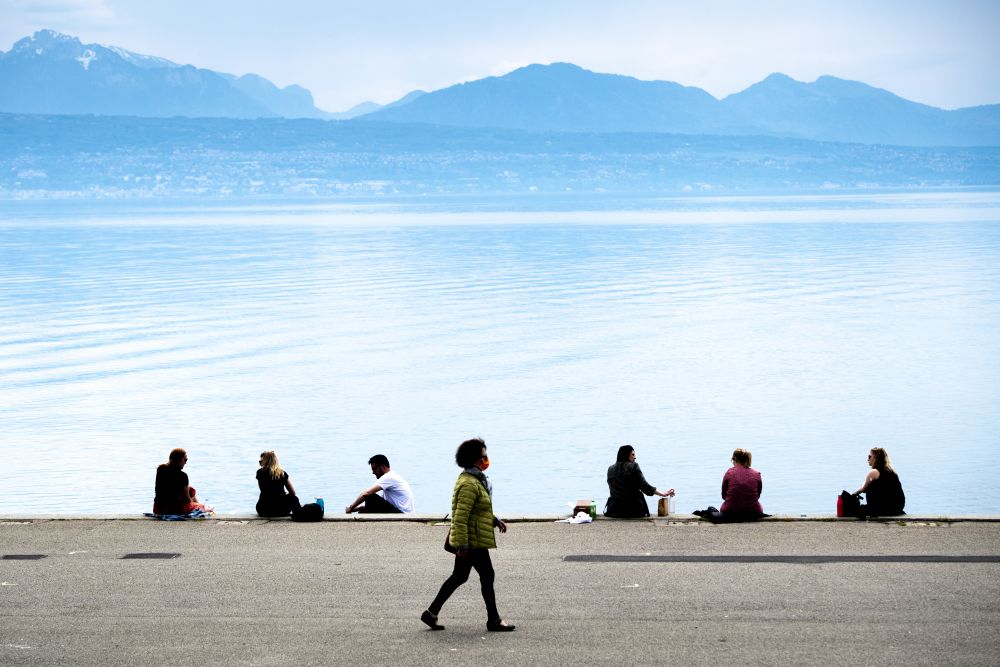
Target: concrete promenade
pixel 244 591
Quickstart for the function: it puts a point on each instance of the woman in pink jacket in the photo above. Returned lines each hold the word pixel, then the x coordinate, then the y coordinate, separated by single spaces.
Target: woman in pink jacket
pixel 741 487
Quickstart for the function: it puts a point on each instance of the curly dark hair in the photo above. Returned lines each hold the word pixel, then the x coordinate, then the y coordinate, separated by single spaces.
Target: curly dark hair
pixel 469 452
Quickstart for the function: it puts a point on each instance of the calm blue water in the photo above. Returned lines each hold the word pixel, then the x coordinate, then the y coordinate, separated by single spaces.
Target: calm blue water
pixel 806 330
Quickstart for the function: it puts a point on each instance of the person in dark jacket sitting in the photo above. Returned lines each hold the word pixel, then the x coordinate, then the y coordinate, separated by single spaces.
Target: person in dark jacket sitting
pixel 883 492
pixel 173 494
pixel 627 485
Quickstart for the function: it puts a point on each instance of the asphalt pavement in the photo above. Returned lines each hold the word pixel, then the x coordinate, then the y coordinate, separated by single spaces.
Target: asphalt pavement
pixel 666 591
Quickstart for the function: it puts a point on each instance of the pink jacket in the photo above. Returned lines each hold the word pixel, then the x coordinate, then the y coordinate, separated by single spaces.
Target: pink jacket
pixel 741 489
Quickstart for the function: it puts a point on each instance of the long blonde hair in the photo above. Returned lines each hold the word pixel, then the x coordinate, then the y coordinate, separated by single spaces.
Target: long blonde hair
pixel 881 459
pixel 269 460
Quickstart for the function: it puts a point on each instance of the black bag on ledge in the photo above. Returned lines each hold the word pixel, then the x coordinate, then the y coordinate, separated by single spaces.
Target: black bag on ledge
pixel 308 512
pixel 849 505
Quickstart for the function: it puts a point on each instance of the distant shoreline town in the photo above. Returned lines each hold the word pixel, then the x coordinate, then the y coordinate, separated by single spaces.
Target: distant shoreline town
pixel 109 158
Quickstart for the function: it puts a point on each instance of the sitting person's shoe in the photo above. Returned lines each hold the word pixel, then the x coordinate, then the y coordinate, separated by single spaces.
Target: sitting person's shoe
pixel 431 620
pixel 499 626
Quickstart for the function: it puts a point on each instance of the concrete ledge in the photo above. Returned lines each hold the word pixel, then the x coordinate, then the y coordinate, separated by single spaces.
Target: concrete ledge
pixel 784 518
pixel 518 518
pixel 338 518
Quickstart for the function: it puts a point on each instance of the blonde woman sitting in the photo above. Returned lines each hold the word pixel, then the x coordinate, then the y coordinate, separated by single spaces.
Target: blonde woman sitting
pixel 273 481
pixel 882 488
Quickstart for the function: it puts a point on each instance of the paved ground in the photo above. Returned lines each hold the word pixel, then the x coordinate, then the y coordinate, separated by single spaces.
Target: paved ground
pixel 278 593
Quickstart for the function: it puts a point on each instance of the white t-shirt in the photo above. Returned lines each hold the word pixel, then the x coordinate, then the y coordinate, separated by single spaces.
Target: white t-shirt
pixel 396 491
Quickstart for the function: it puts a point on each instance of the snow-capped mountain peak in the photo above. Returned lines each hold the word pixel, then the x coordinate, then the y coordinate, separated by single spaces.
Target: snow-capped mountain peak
pixel 53 73
pixel 140 59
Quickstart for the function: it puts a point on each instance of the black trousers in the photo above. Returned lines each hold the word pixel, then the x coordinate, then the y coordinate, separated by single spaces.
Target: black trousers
pixel 730 517
pixel 376 504
pixel 278 507
pixel 479 559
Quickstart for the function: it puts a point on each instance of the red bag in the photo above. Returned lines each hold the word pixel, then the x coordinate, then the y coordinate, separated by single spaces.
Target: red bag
pixel 848 504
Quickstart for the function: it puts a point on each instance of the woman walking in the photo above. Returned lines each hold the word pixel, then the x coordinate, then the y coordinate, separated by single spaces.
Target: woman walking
pixel 471 535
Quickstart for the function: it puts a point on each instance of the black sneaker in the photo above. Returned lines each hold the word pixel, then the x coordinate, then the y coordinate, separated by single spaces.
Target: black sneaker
pixel 431 620
pixel 499 626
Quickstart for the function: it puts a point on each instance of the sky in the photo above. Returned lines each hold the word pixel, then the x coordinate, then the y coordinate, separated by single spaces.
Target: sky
pixel 939 52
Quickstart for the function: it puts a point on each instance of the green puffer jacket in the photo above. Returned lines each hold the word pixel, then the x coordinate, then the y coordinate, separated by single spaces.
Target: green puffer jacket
pixel 472 519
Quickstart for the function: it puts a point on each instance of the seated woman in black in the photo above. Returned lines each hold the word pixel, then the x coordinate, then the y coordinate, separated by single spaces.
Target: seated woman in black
pixel 626 485
pixel 273 481
pixel 173 494
pixel 882 489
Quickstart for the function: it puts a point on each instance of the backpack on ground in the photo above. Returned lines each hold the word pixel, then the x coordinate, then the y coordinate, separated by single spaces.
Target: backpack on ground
pixel 308 512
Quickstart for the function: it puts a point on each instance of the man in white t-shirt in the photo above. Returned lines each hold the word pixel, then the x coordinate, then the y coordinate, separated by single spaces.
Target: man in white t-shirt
pixel 396 495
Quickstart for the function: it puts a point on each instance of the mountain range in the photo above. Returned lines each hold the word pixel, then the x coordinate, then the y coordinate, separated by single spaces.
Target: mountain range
pixel 51 73
pixel 566 98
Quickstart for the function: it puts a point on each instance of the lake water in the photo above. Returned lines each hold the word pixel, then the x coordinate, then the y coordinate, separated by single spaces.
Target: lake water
pixel 806 329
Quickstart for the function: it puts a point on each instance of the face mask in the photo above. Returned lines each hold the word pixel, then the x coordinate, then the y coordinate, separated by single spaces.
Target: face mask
pixel 485 463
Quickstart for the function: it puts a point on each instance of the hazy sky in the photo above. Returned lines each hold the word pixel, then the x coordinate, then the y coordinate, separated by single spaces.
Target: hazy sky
pixel 940 52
